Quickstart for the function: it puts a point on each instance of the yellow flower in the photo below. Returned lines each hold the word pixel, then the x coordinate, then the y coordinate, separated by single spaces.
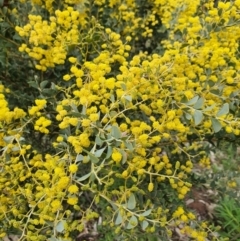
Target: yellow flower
pixel 73 168
pixel 40 103
pixel 73 189
pixel 63 182
pixel 116 156
pixel 72 200
pixel 59 139
pixel 66 77
pixel 178 212
pixel 125 174
pixel 228 129
pixel 33 110
pixel 150 187
pixel 73 121
pixel 141 171
pixel 94 117
pixel 72 60
pixel 184 218
pixel 84 140
pixel 56 205
pixel 86 122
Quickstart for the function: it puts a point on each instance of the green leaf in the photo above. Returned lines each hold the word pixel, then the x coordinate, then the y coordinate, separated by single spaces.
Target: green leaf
pixel 93 158
pixel 209 108
pixel 216 125
pixel 146 213
pixel 123 86
pixel 109 152
pixel 144 224
pixel 113 113
pixel 98 141
pixel 224 110
pixel 131 204
pixel 188 116
pixel 84 177
pixel 119 219
pixel 99 152
pixel 132 222
pixel 15 148
pixel 193 100
pixel 60 226
pixel 33 84
pixel 43 84
pixel 84 110
pixel 8 139
pixel 115 132
pixel 129 146
pixel 124 156
pixel 79 158
pixel 128 98
pixel 208 72
pixel 5 10
pixel 92 177
pixel 113 205
pixel 53 239
pixel 199 103
pixel 198 117
pixel 112 98
pixel 74 107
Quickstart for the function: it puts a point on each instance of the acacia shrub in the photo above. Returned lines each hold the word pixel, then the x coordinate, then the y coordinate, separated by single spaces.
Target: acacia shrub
pixel 105 133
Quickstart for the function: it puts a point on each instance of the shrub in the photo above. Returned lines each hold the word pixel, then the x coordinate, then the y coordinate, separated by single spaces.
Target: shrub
pixel 95 128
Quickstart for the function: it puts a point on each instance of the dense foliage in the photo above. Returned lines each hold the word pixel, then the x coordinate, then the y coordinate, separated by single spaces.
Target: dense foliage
pixel 105 107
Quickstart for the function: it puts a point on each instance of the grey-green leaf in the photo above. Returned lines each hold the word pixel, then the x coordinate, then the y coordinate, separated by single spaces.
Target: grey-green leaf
pixel 129 146
pixel 128 98
pixel 79 158
pixel 131 204
pixel 8 139
pixel 199 103
pixel 216 125
pixel 188 116
pixel 119 219
pixel 198 117
pixel 209 108
pixel 60 226
pixel 53 239
pixel 93 158
pixel 84 177
pixel 224 110
pixel 144 224
pixel 99 152
pixel 193 100
pixel 109 152
pixel 132 222
pixel 98 141
pixel 116 133
pixel 124 156
pixel 146 213
pixel 43 84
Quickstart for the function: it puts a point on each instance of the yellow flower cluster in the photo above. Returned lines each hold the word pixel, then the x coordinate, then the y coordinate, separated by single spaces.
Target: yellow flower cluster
pixel 182 217
pixel 7 116
pixel 49 4
pixel 79 142
pixel 54 188
pixel 40 105
pixel 205 162
pixel 41 124
pixel 49 39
